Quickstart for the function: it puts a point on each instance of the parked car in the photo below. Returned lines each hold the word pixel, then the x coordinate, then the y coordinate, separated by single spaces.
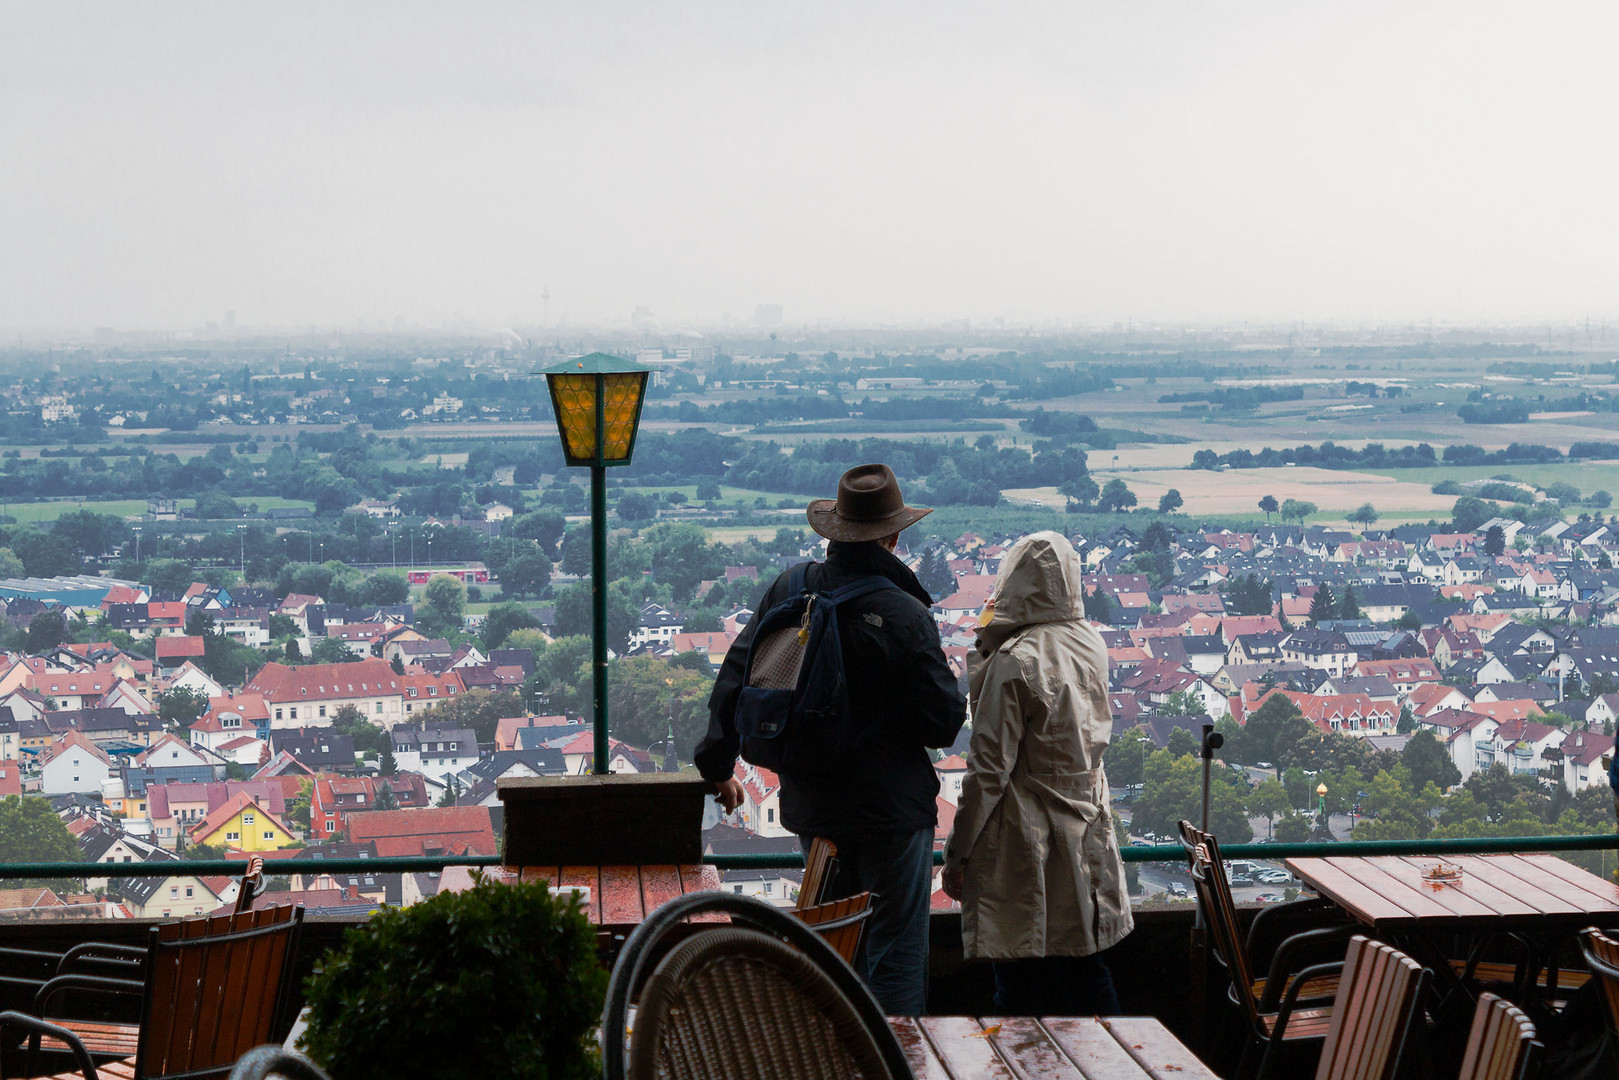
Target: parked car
pixel 1274 877
pixel 1177 890
pixel 1270 898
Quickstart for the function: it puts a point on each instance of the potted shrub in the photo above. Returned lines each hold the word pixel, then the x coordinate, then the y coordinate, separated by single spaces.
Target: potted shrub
pixel 501 980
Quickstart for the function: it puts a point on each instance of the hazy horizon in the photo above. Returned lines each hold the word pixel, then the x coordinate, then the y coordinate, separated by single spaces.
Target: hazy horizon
pixel 914 164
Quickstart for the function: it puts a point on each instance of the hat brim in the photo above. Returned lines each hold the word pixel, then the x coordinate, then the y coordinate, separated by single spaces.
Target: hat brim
pixel 824 519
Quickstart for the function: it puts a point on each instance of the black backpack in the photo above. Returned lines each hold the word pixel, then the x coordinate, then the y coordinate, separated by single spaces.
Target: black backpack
pixel 793 712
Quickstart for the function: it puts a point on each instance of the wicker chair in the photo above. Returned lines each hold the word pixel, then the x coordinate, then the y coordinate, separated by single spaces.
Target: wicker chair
pixel 1602 956
pixel 262 1062
pixel 762 997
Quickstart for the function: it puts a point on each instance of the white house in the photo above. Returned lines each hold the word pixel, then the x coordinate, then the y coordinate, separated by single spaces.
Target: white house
pixel 952 771
pixel 76 765
pixel 435 752
pixel 193 677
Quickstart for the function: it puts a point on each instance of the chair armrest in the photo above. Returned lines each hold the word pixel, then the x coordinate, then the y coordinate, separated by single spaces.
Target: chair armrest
pixel 1283 963
pixel 97 952
pixel 37 1028
pixel 1290 999
pixel 97 983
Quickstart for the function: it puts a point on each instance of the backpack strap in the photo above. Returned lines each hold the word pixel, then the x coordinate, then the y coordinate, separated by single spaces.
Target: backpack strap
pixel 797 579
pixel 870 584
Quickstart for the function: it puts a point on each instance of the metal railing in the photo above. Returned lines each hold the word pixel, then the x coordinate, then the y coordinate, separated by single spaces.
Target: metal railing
pixel 795 860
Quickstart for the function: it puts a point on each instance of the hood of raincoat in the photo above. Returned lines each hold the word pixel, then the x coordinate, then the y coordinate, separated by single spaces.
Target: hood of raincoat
pixel 1039 582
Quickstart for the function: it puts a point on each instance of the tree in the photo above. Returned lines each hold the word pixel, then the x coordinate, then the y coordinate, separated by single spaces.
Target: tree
pixel 1293 828
pixel 1269 505
pixel 1469 513
pixel 1079 491
pixel 643 691
pixel 934 573
pixel 1205 459
pixel 1364 515
pixel 1174 791
pixel 502 620
pixel 384 588
pixel 386 799
pixel 637 506
pixel 46 631
pixel 1126 755
pixel 1429 762
pixel 443 606
pixel 31 832
pixel 10 565
pixel 545 527
pixel 1495 540
pixel 167 575
pixel 330 650
pixel 1181 742
pixel 1321 606
pixel 452 792
pixel 1408 721
pixel 350 721
pixel 1116 496
pixel 477 710
pixel 1181 703
pixel 573 613
pixel 1270 800
pixel 681 556
pixel 387 766
pixel 1276 723
pixel 1170 501
pixel 1349 604
pixel 1297 509
pixel 526 575
pixel 181 706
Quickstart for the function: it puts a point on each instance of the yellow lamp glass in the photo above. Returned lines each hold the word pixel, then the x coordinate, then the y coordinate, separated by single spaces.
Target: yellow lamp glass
pixel 576 389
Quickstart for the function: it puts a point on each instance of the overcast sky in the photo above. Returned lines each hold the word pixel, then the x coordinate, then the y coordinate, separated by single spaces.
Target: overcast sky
pixel 1191 161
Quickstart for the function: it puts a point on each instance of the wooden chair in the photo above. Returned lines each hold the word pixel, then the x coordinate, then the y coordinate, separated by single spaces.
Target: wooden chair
pixel 210 989
pixel 839 922
pixel 263 1062
pixel 1602 957
pixel 701 985
pixel 820 867
pixel 1379 1000
pixel 1290 1006
pixel 1501 1044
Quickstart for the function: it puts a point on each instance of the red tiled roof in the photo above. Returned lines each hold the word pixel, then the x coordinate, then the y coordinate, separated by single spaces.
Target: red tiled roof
pixel 316 682
pixel 412 832
pixel 170 647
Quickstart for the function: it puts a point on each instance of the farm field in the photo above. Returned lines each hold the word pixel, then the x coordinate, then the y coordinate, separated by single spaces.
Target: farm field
pixel 1238 491
pixel 1588 476
pixel 35 512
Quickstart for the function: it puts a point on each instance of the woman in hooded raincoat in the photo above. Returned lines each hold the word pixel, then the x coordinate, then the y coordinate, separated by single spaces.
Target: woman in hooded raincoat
pixel 1033 857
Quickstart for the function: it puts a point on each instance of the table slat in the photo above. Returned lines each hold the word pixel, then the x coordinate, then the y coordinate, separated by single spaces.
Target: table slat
pixel 1360 900
pixel 1158 1051
pixel 1453 899
pixel 919 1053
pixel 539 873
pixel 621 896
pixel 1605 894
pixel 659 885
pixel 964 1048
pixel 1477 884
pixel 702 878
pixel 587 877
pixel 1409 896
pixel 1501 873
pixel 1093 1047
pixel 1544 883
pixel 1030 1049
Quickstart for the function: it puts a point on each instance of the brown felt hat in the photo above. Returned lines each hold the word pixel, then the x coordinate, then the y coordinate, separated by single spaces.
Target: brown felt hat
pixel 869 506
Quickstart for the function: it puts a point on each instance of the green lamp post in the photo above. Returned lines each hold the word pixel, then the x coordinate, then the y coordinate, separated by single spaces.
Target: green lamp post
pixel 597 401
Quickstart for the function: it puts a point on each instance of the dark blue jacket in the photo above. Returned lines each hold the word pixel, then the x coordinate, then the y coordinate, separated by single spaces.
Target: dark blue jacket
pixel 901 691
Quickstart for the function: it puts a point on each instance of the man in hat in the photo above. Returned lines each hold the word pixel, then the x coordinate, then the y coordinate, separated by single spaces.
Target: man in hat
pixel 880 806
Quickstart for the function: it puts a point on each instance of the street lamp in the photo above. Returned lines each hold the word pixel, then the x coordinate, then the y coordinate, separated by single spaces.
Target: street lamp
pixel 241 549
pixel 1321 793
pixel 597 402
pixel 137 529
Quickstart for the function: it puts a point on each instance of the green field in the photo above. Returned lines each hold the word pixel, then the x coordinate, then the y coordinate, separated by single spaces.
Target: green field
pixel 1588 476
pixel 35 512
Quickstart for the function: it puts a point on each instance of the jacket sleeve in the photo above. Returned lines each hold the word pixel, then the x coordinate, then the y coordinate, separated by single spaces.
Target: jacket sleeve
pixel 934 705
pixel 998 723
pixel 716 752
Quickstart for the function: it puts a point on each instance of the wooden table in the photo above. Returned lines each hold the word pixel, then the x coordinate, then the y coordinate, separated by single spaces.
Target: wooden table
pixel 621 897
pixel 1497 892
pixel 1060 1047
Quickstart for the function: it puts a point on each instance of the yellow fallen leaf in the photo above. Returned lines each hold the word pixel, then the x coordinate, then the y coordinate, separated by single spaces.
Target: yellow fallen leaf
pixel 993 1029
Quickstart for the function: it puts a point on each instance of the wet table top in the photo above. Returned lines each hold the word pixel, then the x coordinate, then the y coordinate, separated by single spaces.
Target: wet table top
pixel 623 896
pixel 1503 891
pixel 1063 1047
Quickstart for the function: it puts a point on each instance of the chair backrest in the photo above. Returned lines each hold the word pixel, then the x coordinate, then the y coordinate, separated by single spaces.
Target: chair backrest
pixel 252 884
pixel 1602 956
pixel 1501 1044
pixel 672 922
pixel 271 1060
pixel 1219 913
pixel 215 988
pixel 1378 1000
pixel 839 922
pixel 736 1002
pixel 820 865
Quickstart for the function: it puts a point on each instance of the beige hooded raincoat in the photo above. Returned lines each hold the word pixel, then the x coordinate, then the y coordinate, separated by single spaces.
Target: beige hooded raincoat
pixel 1033 832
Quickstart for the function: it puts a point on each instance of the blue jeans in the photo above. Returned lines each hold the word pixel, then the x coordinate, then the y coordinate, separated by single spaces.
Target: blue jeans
pixel 1055 986
pixel 898 869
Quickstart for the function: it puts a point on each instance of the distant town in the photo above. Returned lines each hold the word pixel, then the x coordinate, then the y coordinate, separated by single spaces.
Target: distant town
pixel 307 600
